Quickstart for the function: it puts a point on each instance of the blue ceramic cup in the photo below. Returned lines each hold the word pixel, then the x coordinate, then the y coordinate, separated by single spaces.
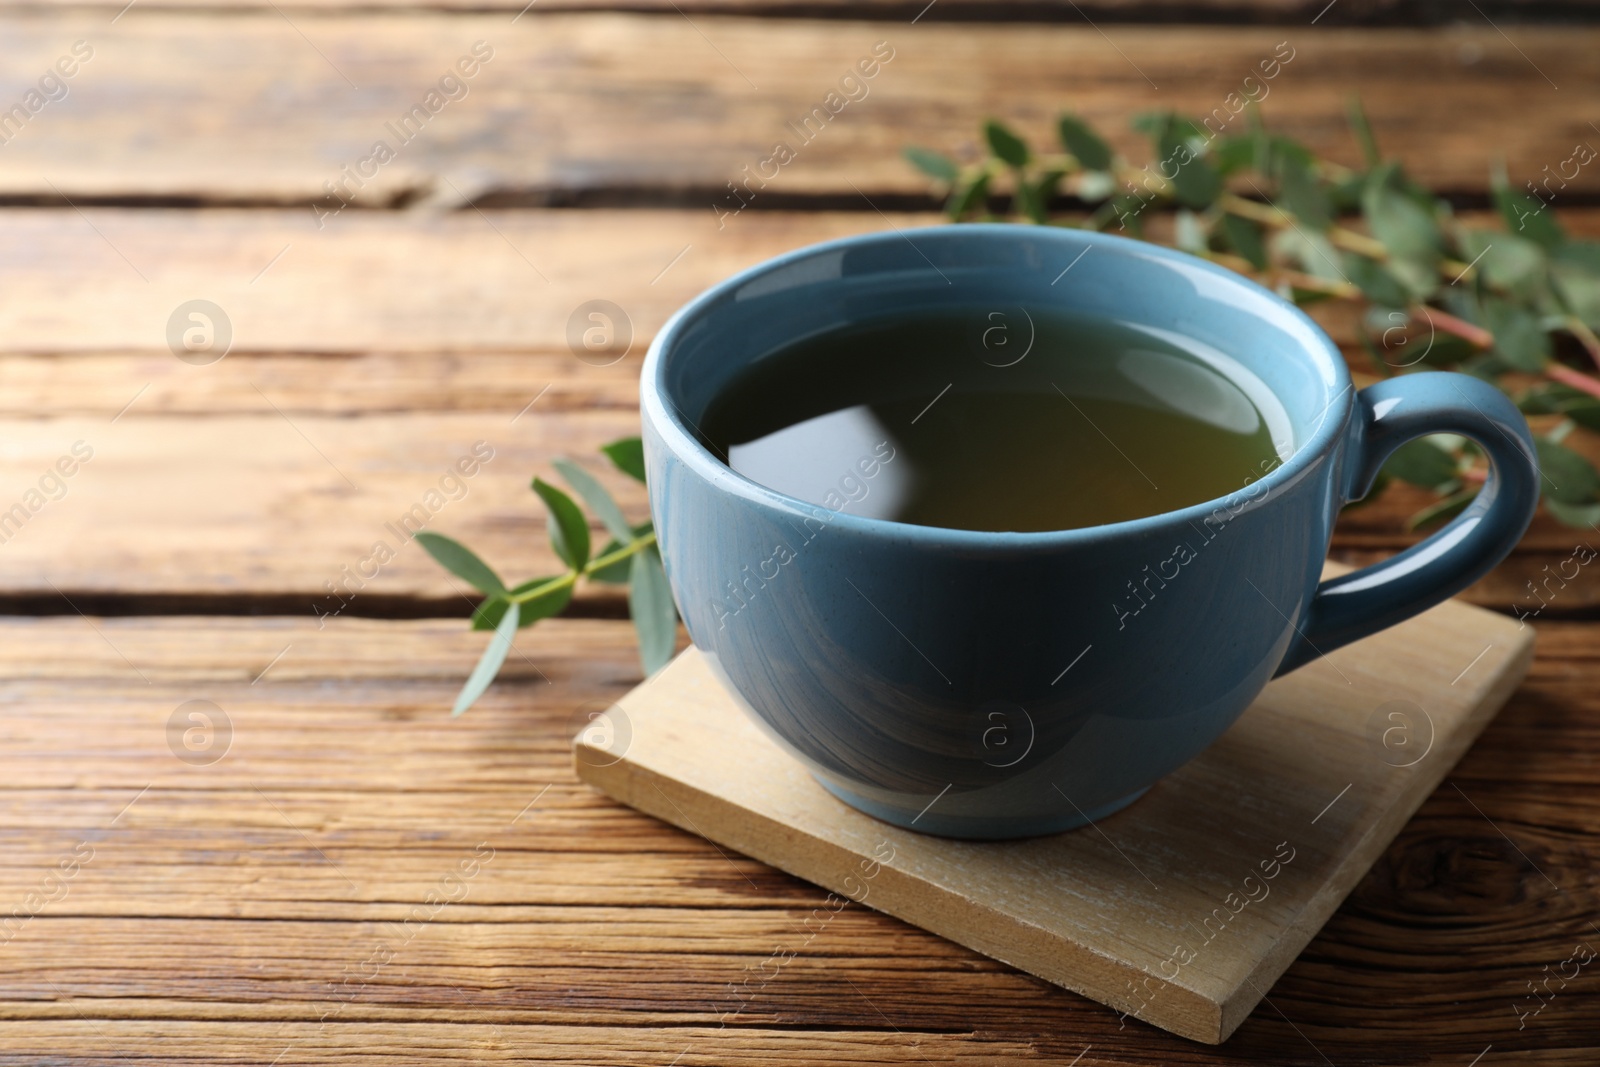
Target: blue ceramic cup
pixel 993 685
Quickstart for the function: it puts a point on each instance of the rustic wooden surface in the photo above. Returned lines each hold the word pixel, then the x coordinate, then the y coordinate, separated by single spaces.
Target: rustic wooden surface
pixel 1297 800
pixel 254 909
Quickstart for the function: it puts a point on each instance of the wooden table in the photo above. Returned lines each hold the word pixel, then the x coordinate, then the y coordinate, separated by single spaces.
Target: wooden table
pixel 339 873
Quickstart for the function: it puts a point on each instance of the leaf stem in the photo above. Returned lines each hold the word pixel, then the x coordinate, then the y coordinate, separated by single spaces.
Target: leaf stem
pixel 571 577
pixel 1474 335
pixel 1564 374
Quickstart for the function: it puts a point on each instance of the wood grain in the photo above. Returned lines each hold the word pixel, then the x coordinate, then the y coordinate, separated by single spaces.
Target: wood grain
pixel 259 108
pixel 596 934
pixel 439 336
pixel 1104 921
pixel 1286 12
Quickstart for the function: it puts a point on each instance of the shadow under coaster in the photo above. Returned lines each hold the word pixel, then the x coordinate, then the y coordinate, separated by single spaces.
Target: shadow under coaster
pixel 1180 910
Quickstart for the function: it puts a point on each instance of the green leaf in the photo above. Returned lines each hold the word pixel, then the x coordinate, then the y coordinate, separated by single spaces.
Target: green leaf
pixel 1407 229
pixel 1422 463
pixel 1551 398
pixel 1232 154
pixel 569 531
pixel 1519 336
pixel 1345 193
pixel 1525 216
pixel 1568 477
pixel 1302 195
pixel 1312 251
pixel 1375 281
pixel 1276 150
pixel 460 561
pixel 963 198
pixel 1151 123
pixel 1583 516
pixel 627 454
pixel 938 167
pixel 1003 143
pixel 1505 260
pixel 1363 132
pixel 1195 182
pixel 1575 268
pixel 489 665
pixel 594 494
pixel 1448 508
pixel 491 611
pixel 654 617
pixel 1245 236
pixel 1083 143
pixel 1039 195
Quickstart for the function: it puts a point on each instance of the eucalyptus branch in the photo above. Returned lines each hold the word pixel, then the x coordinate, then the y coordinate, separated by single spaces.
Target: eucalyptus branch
pixel 631 557
pixel 1509 305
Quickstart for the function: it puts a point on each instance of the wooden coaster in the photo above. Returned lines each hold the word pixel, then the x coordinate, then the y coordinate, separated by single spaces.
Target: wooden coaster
pixel 1181 910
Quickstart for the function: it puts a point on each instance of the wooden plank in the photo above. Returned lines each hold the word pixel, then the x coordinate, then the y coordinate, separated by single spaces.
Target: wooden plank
pixel 441 337
pixel 207 924
pixel 593 102
pixel 105 284
pixel 1286 12
pixel 394 282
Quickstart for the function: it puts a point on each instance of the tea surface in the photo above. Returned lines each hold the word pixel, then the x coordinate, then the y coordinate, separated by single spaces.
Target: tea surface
pixel 998 420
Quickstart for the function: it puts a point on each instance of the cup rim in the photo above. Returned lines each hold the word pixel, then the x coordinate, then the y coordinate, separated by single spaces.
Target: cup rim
pixel 683 443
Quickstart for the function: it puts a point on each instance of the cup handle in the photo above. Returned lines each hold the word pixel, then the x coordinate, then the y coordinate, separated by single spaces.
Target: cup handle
pixel 1388 415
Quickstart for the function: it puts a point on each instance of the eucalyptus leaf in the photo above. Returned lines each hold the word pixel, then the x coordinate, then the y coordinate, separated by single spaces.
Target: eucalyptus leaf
pixel 1083 143
pixel 1153 124
pixel 1232 154
pixel 965 197
pixel 627 454
pixel 1362 129
pixel 461 561
pixel 1422 463
pixel 654 616
pixel 1439 511
pixel 1027 204
pixel 594 494
pixel 1575 271
pixel 1302 195
pixel 1519 337
pixel 1313 252
pixel 934 165
pixel 569 531
pixel 1245 237
pixel 1505 260
pixel 1582 516
pixel 1524 215
pixel 1584 411
pixel 1041 192
pixel 1195 182
pixel 1006 145
pixel 489 665
pixel 1568 476
pixel 1375 281
pixel 1406 229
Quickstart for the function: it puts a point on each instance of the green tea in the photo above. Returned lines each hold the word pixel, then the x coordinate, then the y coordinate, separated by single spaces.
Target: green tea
pixel 998 419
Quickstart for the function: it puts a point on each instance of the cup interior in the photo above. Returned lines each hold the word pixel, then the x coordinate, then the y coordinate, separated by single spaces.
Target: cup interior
pixel 1261 343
